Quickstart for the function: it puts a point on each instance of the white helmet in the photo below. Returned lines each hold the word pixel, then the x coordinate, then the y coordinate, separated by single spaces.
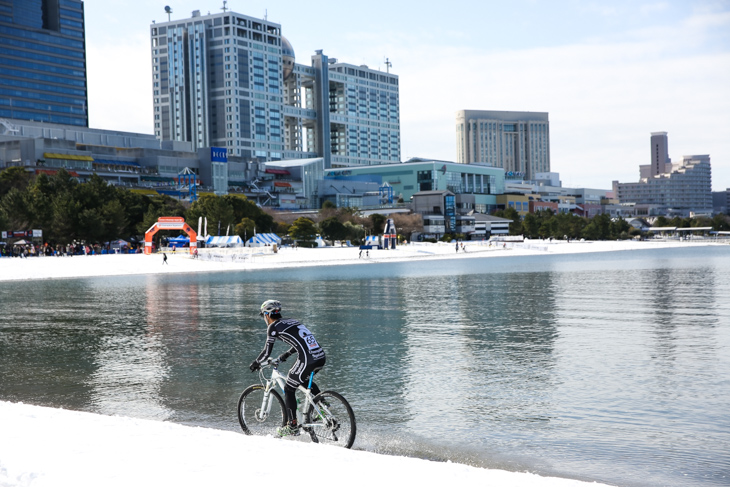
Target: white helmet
pixel 270 306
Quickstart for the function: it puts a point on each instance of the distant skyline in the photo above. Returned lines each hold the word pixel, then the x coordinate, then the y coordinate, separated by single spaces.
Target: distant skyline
pixel 608 74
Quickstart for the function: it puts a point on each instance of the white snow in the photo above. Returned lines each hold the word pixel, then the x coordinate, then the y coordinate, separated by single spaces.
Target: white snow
pixel 45 447
pixel 57 448
pixel 12 269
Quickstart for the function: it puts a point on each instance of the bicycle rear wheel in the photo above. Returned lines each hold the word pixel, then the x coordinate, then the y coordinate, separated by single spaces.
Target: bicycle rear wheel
pixel 335 423
pixel 255 422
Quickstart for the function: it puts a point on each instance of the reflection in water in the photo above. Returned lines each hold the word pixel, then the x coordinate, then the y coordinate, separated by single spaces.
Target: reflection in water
pixel 128 377
pixel 635 378
pixel 607 367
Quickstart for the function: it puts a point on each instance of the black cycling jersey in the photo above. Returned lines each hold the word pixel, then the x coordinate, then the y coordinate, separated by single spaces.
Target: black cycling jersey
pixel 300 340
pixel 310 358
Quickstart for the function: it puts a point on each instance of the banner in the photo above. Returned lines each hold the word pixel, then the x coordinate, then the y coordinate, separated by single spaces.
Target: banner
pixel 17 234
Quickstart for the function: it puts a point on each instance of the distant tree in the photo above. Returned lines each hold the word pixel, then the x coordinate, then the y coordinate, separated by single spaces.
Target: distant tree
pixel 160 205
pixel 14 177
pixel 619 228
pixel 377 223
pixel 701 221
pixel 245 208
pixel 327 204
pixel 332 229
pixel 15 206
pixel 134 205
pixel 661 221
pixel 216 209
pixel 281 228
pixel 531 225
pixel 114 221
pixel 245 228
pixel 406 224
pixel 355 232
pixel 597 228
pixel 303 229
pixel 721 223
pixel 64 223
pixel 515 226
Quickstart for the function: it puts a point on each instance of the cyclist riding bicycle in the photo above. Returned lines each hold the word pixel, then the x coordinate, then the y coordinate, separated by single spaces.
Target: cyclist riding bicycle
pixel 310 357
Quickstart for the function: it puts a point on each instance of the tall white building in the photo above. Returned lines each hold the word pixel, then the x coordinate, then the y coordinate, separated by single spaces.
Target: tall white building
pixel 667 187
pixel 518 142
pixel 231 81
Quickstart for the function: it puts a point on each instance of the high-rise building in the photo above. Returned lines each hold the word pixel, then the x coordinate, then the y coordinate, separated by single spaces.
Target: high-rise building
pixel 667 187
pixel 518 142
pixel 659 154
pixel 43 61
pixel 230 80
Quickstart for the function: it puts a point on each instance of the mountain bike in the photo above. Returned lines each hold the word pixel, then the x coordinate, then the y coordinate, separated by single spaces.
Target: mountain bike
pixel 327 417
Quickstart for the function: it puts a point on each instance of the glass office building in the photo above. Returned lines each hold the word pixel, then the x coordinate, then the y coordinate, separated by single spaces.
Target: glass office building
pixel 43 61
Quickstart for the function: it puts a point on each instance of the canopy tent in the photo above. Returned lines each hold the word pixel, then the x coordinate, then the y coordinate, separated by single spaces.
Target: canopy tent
pixel 118 244
pixel 262 239
pixel 233 241
pixel 178 242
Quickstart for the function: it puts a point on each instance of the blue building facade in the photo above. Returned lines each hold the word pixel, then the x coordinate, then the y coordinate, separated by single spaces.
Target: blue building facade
pixel 43 61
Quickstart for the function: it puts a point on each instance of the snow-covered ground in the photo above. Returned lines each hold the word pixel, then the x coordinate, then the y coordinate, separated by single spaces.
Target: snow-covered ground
pixel 52 447
pixel 263 258
pixel 45 447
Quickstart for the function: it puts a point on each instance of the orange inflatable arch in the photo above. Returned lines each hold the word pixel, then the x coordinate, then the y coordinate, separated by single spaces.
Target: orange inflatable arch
pixel 170 223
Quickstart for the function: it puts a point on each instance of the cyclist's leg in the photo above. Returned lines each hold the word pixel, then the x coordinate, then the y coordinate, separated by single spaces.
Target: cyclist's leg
pixel 293 379
pixel 290 402
pixel 299 374
pixel 315 387
pixel 314 368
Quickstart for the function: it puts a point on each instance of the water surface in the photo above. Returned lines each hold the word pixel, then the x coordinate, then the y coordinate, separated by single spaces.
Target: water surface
pixel 612 367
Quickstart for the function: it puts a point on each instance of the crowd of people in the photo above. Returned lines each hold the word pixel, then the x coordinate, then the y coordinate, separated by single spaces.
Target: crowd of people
pixel 37 250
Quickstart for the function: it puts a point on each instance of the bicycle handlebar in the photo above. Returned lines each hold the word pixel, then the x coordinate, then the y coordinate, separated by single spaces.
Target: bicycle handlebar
pixel 270 361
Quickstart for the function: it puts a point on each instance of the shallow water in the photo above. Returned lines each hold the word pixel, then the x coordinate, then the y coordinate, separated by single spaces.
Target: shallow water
pixel 612 367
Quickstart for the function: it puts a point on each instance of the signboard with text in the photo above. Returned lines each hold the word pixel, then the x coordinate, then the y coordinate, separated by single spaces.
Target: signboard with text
pixel 18 234
pixel 218 154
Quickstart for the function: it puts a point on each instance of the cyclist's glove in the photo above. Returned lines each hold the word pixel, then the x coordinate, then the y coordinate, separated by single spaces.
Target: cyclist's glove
pixel 284 356
pixel 254 366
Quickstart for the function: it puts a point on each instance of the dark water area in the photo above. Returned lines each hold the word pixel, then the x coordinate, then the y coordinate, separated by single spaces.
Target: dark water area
pixel 613 367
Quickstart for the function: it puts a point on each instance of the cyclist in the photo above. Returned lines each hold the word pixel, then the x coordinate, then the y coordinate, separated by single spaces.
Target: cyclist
pixel 310 357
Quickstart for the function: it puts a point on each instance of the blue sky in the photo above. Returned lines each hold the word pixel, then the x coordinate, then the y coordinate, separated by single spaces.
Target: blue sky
pixel 608 72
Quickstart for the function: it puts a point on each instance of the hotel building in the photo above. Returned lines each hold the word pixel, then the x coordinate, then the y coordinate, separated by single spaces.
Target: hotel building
pixel 518 142
pixel 664 187
pixel 231 81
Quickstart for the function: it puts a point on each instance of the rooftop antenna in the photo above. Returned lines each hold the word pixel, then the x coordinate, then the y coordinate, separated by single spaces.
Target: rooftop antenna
pixel 266 14
pixel 388 65
pixel 168 11
pixel 225 9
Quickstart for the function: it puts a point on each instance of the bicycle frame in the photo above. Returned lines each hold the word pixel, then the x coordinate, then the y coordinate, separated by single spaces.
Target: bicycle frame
pixel 277 378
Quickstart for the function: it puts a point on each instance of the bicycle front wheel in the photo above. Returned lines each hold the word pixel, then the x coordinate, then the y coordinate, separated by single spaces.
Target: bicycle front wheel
pixel 258 417
pixel 332 421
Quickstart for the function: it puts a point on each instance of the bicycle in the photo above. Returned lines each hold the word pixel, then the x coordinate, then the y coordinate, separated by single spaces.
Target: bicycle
pixel 327 417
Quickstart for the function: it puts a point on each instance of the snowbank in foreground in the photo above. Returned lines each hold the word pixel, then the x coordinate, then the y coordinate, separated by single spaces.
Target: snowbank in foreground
pixel 44 447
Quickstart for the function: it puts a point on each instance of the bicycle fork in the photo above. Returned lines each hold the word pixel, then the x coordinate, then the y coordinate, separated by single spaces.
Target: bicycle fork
pixel 263 413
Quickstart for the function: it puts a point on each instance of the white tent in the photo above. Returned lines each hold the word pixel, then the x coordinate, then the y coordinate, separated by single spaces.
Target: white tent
pixel 233 241
pixel 262 239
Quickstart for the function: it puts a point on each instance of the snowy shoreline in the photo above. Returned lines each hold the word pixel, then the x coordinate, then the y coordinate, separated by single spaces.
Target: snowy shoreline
pixel 46 447
pixel 17 269
pixel 42 446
